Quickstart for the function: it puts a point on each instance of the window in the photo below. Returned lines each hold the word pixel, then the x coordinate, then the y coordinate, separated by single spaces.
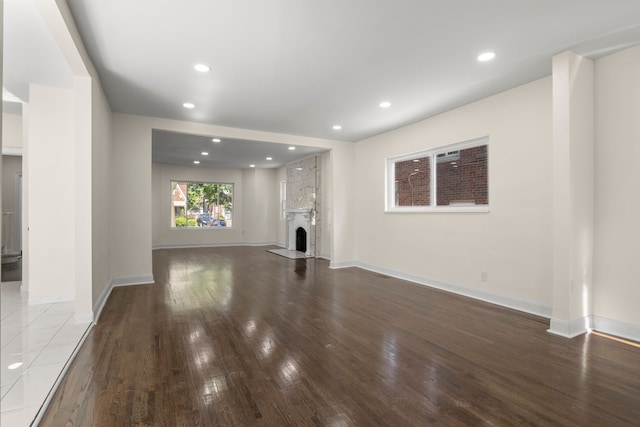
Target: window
pixel 458 180
pixel 201 204
pixel 283 199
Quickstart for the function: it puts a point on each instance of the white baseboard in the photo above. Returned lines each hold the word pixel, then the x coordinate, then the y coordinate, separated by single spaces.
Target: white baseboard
pixel 132 280
pixel 578 327
pixel 569 329
pixel 615 327
pixel 519 304
pixel 342 264
pixel 213 245
pixel 116 282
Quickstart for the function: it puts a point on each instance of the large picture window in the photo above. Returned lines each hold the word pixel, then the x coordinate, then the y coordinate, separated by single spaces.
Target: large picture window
pixel 201 204
pixel 450 178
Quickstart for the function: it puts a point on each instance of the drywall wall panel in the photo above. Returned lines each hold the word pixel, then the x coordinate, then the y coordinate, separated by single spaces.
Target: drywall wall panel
pixel 510 246
pixel 616 290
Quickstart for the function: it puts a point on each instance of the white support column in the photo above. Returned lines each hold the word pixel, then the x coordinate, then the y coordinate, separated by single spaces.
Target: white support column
pixel 83 194
pixel 573 183
pixel 51 195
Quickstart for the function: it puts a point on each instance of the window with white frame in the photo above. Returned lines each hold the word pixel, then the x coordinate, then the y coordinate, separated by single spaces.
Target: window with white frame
pixel 283 199
pixel 450 178
pixel 200 205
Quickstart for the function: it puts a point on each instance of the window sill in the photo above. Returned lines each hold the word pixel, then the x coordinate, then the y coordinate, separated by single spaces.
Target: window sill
pixel 200 228
pixel 439 209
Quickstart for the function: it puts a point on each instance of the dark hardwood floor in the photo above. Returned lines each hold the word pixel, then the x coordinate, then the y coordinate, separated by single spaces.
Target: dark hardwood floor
pixel 241 337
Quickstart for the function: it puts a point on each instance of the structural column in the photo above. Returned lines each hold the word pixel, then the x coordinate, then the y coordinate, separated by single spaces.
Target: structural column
pixel 573 183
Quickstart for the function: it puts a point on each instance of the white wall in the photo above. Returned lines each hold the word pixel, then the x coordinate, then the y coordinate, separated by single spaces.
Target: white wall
pixel 343 191
pixel 616 289
pixel 11 131
pixel 511 243
pixel 100 192
pixel 261 195
pixel 130 201
pixel 50 153
pixel 326 214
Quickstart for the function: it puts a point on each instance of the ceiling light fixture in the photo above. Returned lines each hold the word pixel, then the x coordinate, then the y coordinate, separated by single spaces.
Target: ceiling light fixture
pixel 269 158
pixel 487 56
pixel 292 148
pixel 202 68
pixel 337 127
pixel 216 140
pixel 252 166
pixel 196 162
pixel 385 104
pixel 188 105
pixel 204 153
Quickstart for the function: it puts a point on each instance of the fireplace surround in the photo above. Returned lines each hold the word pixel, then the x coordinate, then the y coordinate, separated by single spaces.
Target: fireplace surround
pixel 301 219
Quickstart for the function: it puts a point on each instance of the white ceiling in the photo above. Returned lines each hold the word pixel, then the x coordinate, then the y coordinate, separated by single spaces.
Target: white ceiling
pixel 30 54
pixel 181 149
pixel 300 67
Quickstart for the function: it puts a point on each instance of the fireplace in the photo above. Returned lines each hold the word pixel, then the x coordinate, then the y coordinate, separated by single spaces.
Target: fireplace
pixel 301 231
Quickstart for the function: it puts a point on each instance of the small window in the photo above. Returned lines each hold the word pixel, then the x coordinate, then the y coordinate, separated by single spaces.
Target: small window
pixel 283 199
pixel 459 181
pixel 200 205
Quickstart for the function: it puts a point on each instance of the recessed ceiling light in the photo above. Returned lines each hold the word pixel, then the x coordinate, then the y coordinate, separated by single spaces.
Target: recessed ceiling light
pixel 14 365
pixel 252 166
pixel 196 162
pixel 216 140
pixel 298 169
pixel 188 105
pixel 292 148
pixel 269 158
pixel 337 127
pixel 385 104
pixel 204 153
pixel 202 68
pixel 487 56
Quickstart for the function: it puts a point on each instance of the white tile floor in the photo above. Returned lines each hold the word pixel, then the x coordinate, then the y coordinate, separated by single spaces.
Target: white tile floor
pixel 37 342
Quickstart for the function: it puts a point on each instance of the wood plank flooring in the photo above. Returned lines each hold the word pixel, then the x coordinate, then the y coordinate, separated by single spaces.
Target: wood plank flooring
pixel 242 337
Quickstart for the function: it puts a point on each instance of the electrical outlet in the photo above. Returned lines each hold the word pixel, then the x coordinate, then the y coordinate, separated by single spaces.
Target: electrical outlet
pixel 484 276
